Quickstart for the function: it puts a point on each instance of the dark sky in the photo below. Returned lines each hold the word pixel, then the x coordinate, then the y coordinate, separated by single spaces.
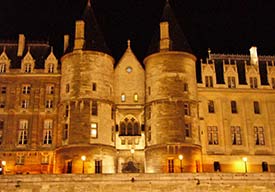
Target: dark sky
pixel 225 26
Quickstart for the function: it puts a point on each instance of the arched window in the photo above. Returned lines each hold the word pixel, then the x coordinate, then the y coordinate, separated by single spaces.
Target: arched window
pixel 129 127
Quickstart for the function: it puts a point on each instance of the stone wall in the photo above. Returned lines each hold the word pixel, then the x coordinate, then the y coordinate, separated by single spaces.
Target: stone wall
pixel 222 182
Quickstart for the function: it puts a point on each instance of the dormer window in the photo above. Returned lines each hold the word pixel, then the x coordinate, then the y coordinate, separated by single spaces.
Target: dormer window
pixel 231 81
pixel 208 81
pixel 3 68
pixel 253 82
pixel 28 68
pixel 51 68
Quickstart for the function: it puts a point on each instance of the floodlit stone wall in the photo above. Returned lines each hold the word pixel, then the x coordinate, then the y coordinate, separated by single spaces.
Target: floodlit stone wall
pixel 210 182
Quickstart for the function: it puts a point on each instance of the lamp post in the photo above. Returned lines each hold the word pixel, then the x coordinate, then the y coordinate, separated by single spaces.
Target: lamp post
pixel 245 165
pixel 2 168
pixel 83 158
pixel 181 158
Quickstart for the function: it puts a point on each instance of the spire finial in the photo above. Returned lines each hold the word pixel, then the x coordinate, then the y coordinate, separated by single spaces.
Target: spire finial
pixel 4 49
pixel 89 3
pixel 51 49
pixel 129 43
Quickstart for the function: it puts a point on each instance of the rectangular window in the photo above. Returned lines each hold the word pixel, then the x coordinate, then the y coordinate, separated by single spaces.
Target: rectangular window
pixel 93 133
pixel 26 89
pixel 234 107
pixel 49 104
pixel 1 131
pixel 20 159
pixel 3 67
pixel 98 166
pixel 211 106
pixel 186 109
pixel 208 81
pixel 236 135
pixel 149 133
pixel 149 90
pixel 259 135
pixel 149 112
pixel 256 107
pixel 123 97
pixel 170 165
pixel 67 110
pixel 253 82
pixel 188 130
pixel 51 68
pixel 231 81
pixel 3 90
pixel 185 87
pixel 67 88
pixel 28 68
pixel 94 108
pixel 213 136
pixel 273 82
pixel 94 86
pixel 135 97
pixel 66 131
pixel 2 103
pixel 50 89
pixel 47 131
pixel 23 132
pixel 24 104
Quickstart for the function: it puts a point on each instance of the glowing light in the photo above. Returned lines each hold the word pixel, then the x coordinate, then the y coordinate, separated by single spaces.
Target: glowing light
pixel 180 157
pixel 132 151
pixel 245 159
pixel 83 158
pixel 4 163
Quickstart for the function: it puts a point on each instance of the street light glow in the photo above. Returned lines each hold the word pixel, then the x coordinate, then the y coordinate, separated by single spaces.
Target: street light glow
pixel 83 158
pixel 180 157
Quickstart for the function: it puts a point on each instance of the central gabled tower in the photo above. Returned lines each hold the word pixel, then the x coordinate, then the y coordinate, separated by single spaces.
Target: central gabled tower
pixel 171 101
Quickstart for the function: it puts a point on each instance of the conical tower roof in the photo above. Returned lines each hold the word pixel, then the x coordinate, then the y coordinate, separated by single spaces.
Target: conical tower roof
pixel 94 39
pixel 178 40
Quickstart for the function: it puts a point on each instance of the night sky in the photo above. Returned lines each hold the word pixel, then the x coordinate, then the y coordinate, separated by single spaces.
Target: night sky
pixel 225 26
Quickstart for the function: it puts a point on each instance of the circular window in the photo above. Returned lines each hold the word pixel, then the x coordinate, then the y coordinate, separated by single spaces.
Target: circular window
pixel 129 69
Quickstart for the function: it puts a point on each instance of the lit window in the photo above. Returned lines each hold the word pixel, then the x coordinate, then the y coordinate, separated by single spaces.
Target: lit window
pixel 136 97
pixel 231 81
pixel 186 109
pixel 51 68
pixel 67 88
pixel 211 106
pixel 188 130
pixel 24 104
pixel 20 159
pixel 208 81
pixel 234 107
pixel 94 86
pixel 28 68
pixel 212 132
pixel 170 165
pixel 98 166
pixel 256 107
pixel 23 132
pixel 253 82
pixel 123 97
pixel 93 130
pixel 236 135
pixel 3 67
pixel 259 135
pixel 1 131
pixel 129 69
pixel 47 131
pixel 94 108
pixel 26 89
pixel 50 89
pixel 49 104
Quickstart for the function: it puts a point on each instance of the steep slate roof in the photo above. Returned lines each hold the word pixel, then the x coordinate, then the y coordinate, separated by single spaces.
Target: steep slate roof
pixel 94 39
pixel 177 37
pixel 39 52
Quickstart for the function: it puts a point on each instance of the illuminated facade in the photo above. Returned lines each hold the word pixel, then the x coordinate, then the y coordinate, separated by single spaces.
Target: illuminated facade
pixel 92 115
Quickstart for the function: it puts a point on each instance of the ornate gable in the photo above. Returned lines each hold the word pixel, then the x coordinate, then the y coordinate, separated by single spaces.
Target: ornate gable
pixel 27 63
pixel 51 63
pixel 4 62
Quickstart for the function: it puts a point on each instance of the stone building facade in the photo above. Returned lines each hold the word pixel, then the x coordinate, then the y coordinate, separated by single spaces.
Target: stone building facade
pixel 86 113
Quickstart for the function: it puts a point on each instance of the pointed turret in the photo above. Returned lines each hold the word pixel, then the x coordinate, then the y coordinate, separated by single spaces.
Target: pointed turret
pixel 169 36
pixel 89 32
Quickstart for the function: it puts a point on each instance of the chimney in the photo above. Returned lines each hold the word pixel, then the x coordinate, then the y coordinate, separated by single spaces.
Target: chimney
pixel 253 55
pixel 21 45
pixel 79 34
pixel 66 42
pixel 164 36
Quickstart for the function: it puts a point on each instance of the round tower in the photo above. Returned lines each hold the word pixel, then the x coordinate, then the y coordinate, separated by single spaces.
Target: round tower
pixel 85 135
pixel 172 132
